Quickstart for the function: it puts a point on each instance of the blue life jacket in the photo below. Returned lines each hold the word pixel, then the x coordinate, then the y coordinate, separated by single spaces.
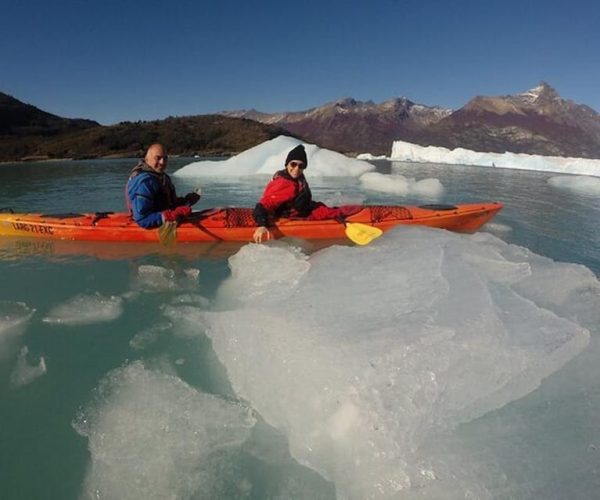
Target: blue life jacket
pixel 148 194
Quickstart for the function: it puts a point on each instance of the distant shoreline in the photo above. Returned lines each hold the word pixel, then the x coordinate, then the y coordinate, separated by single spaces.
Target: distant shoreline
pixel 132 156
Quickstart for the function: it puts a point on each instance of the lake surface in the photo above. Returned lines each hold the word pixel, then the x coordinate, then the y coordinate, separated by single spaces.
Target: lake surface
pixel 101 318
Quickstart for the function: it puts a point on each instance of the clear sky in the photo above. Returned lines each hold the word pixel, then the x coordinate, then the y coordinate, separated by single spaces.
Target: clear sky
pixel 116 60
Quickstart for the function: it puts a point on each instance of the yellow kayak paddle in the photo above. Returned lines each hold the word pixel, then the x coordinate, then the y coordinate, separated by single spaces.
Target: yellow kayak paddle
pixel 361 234
pixel 167 234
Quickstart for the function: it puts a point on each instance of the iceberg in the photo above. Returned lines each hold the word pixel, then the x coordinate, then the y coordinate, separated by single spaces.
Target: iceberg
pixel 369 358
pixel 406 151
pixel 269 157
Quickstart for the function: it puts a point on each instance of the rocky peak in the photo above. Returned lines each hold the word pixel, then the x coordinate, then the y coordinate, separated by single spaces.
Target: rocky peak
pixel 542 93
pixel 346 103
pixel 397 103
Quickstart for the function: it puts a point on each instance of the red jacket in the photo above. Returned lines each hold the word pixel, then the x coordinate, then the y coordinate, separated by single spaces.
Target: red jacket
pixel 286 196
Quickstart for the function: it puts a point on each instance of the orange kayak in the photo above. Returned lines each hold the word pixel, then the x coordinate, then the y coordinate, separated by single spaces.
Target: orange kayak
pixel 237 224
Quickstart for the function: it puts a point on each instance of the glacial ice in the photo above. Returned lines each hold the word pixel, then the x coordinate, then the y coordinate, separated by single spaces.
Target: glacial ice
pixel 151 278
pixel 14 317
pixel 152 436
pixel 580 183
pixel 85 309
pixel 360 356
pixel 24 373
pixel 401 185
pixel 406 151
pixel 268 157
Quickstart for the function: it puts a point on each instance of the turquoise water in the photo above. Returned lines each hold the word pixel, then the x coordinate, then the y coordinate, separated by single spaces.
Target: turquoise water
pixel 42 455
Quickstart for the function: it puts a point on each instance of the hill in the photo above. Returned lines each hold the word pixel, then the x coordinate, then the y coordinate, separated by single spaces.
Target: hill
pixel 29 133
pixel 20 119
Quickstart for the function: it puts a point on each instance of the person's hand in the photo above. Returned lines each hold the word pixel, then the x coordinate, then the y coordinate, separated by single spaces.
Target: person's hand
pixel 176 214
pixel 192 198
pixel 260 232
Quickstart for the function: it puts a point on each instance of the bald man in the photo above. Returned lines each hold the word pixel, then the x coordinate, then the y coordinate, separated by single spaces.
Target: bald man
pixel 151 196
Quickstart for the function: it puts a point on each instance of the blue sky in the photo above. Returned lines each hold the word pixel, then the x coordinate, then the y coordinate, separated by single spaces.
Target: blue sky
pixel 130 60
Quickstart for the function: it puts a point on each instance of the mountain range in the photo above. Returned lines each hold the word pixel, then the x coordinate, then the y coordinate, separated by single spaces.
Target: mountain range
pixel 538 121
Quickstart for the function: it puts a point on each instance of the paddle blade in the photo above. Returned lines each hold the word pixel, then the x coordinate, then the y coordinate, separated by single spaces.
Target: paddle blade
pixel 167 234
pixel 361 234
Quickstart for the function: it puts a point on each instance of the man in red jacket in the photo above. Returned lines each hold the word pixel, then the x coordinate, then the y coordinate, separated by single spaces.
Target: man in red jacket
pixel 288 195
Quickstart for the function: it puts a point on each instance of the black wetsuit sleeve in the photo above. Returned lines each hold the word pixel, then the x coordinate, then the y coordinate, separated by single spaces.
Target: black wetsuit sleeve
pixel 260 215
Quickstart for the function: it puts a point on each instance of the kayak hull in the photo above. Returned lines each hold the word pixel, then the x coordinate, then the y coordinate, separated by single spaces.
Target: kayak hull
pixel 236 224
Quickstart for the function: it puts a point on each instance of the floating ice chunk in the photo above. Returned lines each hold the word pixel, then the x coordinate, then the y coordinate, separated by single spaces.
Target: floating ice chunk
pixel 400 185
pixel 269 157
pixel 192 299
pixel 497 229
pixel 286 266
pixel 580 183
pixel 143 339
pixel 338 199
pixel 14 317
pixel 24 373
pixel 361 354
pixel 189 319
pixel 369 156
pixel 157 279
pixel 85 310
pixel 151 436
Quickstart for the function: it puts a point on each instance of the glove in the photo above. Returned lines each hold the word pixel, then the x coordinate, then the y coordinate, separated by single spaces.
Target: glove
pixel 192 198
pixel 176 214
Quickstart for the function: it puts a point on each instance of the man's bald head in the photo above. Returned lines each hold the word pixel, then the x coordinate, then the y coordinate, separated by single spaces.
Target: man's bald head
pixel 156 158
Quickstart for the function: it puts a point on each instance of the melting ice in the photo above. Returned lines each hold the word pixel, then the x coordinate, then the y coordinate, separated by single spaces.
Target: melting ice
pixel 268 157
pixel 401 185
pixel 406 151
pixel 579 183
pixel 24 372
pixel 157 278
pixel 361 356
pixel 85 309
pixel 151 436
pixel 14 317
